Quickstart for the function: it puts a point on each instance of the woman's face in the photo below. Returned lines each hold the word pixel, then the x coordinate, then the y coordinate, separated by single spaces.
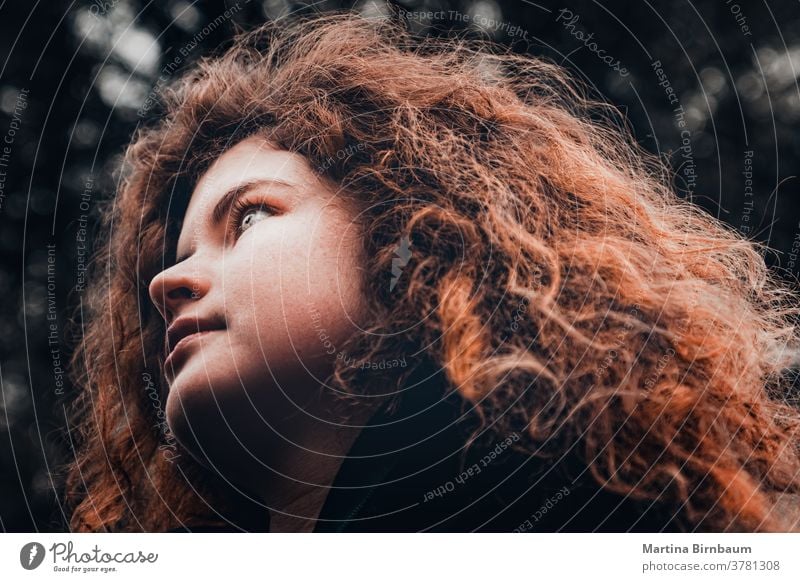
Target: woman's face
pixel 268 270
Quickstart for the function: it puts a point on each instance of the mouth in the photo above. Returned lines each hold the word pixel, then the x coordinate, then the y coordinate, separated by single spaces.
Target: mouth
pixel 184 332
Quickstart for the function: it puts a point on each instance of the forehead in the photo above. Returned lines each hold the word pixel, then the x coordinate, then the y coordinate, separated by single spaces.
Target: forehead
pixel 251 159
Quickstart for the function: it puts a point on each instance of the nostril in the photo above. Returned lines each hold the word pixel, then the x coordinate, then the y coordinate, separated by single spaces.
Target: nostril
pixel 181 293
pixel 172 288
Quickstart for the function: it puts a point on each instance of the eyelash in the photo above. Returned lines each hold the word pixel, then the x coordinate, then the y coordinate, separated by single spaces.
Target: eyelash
pixel 238 211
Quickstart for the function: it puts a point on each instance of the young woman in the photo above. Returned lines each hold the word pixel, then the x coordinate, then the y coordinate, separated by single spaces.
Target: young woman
pixel 357 282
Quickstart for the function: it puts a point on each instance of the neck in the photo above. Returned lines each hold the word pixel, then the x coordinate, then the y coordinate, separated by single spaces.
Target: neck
pixel 312 452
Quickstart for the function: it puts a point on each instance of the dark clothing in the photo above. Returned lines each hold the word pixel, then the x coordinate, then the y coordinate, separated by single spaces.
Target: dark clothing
pixel 403 476
pixel 407 472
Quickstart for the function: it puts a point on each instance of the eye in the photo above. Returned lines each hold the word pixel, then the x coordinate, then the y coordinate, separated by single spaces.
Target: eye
pixel 246 214
pixel 251 216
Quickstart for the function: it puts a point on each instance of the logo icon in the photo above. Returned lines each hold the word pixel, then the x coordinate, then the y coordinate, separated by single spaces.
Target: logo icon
pixel 31 555
pixel 403 254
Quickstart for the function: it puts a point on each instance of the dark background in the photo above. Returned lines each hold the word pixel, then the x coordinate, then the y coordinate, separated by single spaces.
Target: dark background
pixel 75 81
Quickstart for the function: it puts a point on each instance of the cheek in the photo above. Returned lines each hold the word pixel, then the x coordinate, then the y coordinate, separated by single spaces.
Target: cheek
pixel 295 298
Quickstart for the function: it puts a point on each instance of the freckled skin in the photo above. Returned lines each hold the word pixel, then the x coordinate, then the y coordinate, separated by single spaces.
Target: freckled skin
pixel 252 389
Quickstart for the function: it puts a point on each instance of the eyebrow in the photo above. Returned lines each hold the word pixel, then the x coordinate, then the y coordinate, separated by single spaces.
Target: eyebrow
pixel 227 200
pixel 223 207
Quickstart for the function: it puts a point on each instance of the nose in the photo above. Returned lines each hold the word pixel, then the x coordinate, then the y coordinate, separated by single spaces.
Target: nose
pixel 176 286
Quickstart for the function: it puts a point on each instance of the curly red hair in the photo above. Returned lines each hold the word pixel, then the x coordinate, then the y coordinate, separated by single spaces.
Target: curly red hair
pixel 555 277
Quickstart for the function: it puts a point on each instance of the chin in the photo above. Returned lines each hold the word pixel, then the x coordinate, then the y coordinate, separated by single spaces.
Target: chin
pixel 195 413
pixel 195 393
pixel 214 421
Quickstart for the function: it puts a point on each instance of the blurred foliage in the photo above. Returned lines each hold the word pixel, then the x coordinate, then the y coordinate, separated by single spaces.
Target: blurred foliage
pixel 76 79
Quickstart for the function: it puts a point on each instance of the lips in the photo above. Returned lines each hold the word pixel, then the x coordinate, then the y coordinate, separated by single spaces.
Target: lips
pixel 186 329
